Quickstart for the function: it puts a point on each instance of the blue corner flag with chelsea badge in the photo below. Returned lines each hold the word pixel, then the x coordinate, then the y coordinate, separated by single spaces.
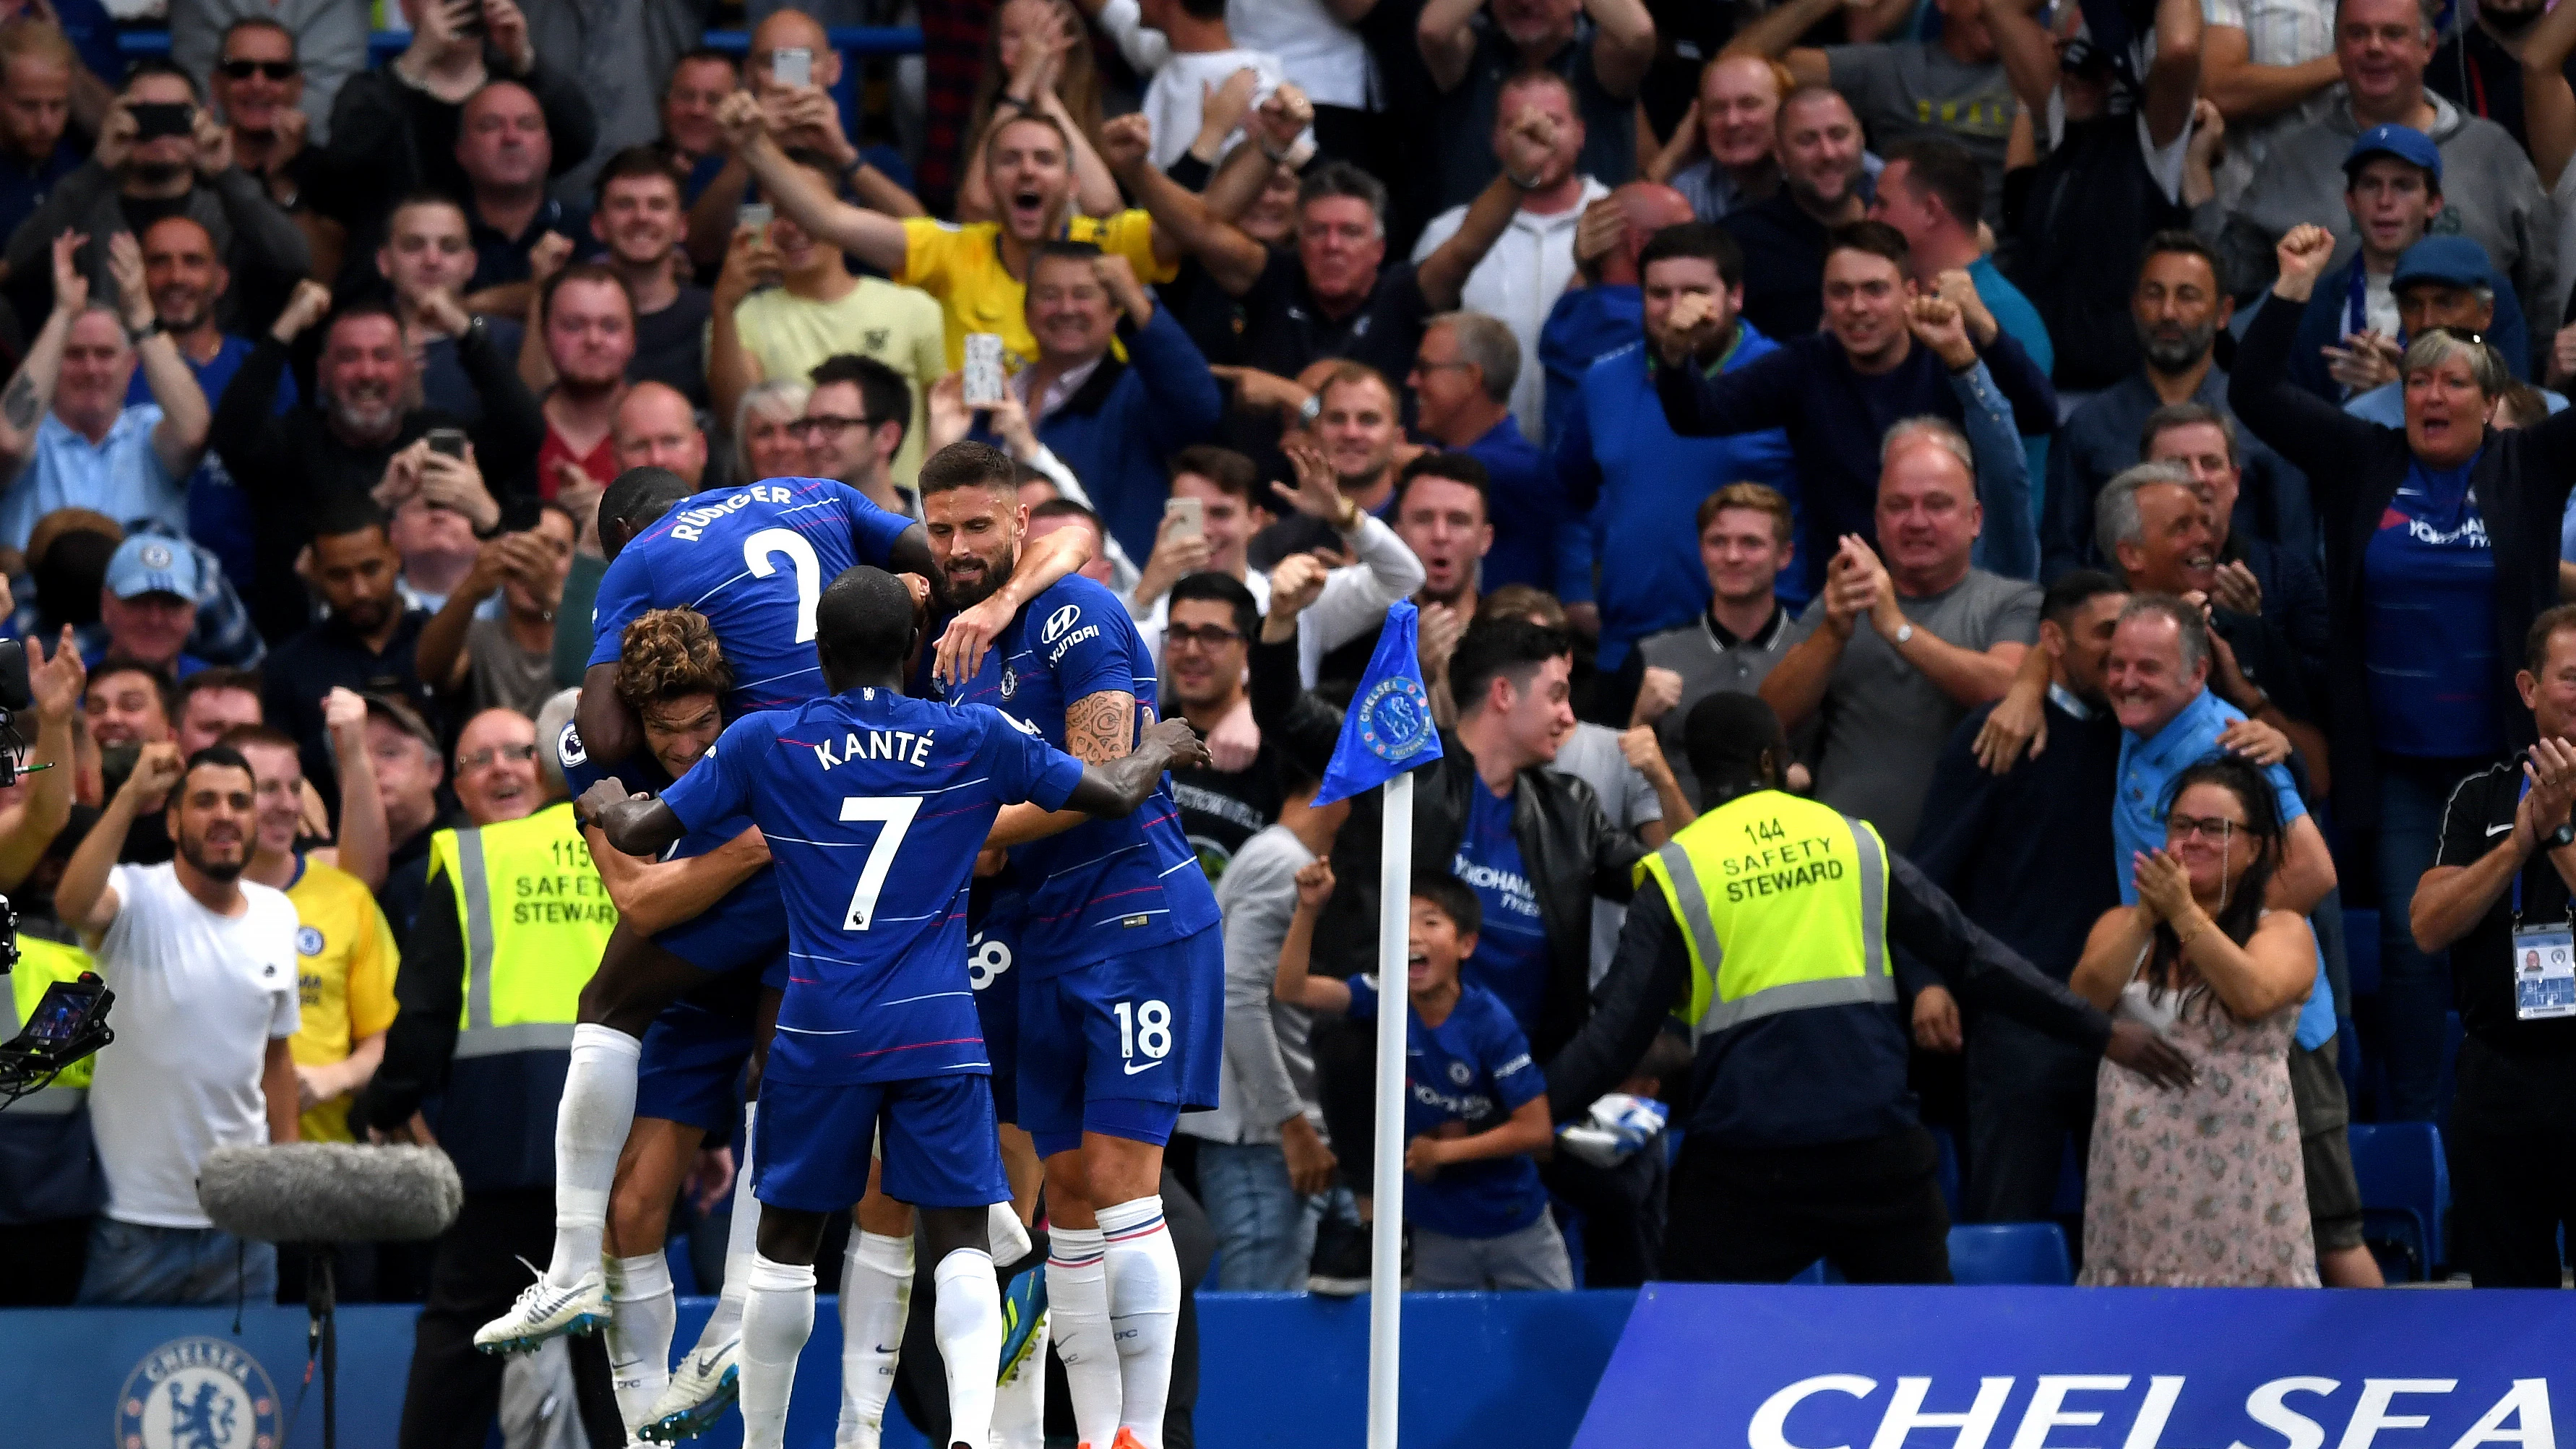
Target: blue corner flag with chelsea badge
pixel 1389 728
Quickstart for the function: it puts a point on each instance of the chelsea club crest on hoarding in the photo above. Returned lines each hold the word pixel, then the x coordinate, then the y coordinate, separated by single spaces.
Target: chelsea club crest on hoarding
pixel 198 1393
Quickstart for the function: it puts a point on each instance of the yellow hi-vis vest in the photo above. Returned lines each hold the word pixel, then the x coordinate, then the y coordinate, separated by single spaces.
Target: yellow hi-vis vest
pixel 1783 905
pixel 535 918
pixel 41 963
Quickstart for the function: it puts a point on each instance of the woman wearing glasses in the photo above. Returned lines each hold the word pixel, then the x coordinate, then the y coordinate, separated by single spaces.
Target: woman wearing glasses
pixel 2441 543
pixel 2202 1187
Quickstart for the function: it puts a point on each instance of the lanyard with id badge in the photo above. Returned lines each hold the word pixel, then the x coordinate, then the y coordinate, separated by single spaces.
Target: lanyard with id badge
pixel 2544 958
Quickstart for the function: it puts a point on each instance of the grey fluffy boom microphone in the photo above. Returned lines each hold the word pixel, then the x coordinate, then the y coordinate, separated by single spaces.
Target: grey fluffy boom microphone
pixel 330 1192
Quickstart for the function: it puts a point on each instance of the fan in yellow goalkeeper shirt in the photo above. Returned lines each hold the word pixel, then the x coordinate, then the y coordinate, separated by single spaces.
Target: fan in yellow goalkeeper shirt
pixel 978 270
pixel 345 956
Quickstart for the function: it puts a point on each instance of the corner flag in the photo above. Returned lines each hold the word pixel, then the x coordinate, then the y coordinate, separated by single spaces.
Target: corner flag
pixel 1389 729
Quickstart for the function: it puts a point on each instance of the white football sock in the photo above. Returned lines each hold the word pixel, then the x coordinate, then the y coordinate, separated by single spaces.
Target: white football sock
pixel 1078 1310
pixel 969 1324
pixel 742 1236
pixel 1005 1235
pixel 1144 1310
pixel 590 1131
pixel 777 1318
pixel 876 1296
pixel 642 1315
pixel 1019 1405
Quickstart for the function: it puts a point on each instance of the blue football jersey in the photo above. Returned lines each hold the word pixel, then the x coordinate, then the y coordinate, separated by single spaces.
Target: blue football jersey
pixel 642 772
pixel 1105 886
pixel 1471 1068
pixel 875 805
pixel 754 560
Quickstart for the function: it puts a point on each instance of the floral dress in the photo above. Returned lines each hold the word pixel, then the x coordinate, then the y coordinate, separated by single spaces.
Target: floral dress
pixel 2200 1188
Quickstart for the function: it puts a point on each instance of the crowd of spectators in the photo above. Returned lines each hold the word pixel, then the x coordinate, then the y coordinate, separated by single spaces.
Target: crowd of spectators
pixel 2109 439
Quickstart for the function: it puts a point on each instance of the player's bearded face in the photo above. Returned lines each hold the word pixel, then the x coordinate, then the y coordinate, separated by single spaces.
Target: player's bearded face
pixel 975 537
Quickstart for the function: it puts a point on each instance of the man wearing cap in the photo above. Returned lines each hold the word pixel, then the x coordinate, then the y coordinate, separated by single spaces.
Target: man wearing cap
pixel 409 768
pixel 148 606
pixel 1766 926
pixel 2445 281
pixel 2393 194
pixel 2491 193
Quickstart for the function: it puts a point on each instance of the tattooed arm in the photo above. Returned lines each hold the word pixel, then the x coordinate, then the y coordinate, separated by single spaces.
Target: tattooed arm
pixel 31 390
pixel 1099 728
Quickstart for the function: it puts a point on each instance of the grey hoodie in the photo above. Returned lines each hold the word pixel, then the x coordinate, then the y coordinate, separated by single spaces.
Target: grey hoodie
pixel 2490 194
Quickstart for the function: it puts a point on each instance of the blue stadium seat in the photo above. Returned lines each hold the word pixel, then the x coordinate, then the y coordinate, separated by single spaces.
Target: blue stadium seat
pixel 2405 1188
pixel 1990 1253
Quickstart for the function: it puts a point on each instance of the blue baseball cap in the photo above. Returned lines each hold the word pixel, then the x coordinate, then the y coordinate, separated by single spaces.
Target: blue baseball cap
pixel 2403 142
pixel 147 563
pixel 2454 261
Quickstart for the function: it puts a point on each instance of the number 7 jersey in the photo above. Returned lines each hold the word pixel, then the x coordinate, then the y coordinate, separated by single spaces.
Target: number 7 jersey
pixel 754 561
pixel 874 805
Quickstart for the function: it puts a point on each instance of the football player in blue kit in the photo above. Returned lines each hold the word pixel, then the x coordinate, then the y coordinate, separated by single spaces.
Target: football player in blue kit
pixel 1121 965
pixel 875 805
pixel 754 561
pixel 673 675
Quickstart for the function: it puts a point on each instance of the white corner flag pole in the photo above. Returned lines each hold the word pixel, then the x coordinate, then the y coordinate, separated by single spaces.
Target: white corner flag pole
pixel 1386 1243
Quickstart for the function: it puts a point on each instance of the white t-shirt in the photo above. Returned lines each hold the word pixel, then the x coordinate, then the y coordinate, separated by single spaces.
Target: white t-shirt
pixel 1326 58
pixel 1519 280
pixel 198 999
pixel 1175 98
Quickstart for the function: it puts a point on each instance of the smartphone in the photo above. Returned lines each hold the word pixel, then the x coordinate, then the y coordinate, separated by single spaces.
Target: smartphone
pixel 447 441
pixel 155 119
pixel 1187 516
pixel 469 17
pixel 983 369
pixel 756 215
pixel 791 65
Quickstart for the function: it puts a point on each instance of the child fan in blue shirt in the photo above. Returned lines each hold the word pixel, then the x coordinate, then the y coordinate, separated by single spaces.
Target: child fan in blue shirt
pixel 1475 1109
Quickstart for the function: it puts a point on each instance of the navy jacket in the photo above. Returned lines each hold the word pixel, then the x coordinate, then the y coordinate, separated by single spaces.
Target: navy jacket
pixel 1834 417
pixel 1121 426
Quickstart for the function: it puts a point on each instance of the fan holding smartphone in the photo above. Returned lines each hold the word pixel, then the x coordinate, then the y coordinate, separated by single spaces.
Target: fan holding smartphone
pixel 457 45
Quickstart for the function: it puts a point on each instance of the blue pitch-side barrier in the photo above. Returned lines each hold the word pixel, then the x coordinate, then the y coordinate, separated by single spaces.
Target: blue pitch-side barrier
pixel 1482 1371
pixel 2054 1368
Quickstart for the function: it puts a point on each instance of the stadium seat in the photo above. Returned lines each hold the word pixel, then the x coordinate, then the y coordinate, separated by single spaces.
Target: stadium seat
pixel 2405 1188
pixel 1990 1253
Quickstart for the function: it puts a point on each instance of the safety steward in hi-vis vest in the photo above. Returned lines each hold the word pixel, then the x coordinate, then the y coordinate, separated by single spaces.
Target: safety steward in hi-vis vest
pixel 1765 940
pixel 50 1183
pixel 511 927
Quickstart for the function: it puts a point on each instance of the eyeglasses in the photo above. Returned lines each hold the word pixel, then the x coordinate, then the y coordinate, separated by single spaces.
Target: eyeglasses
pixel 483 759
pixel 276 70
pixel 2211 827
pixel 1205 636
pixel 806 427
